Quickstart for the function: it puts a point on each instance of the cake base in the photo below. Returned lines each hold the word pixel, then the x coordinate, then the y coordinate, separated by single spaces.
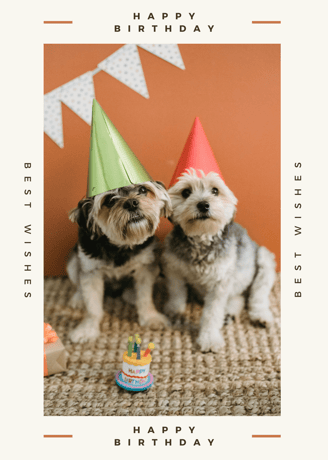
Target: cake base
pixel 129 387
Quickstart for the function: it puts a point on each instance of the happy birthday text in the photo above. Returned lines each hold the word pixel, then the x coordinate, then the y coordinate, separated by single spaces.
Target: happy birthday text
pixel 151 26
pixel 151 441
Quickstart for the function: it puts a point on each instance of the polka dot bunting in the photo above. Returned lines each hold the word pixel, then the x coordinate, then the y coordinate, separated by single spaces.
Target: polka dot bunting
pixel 169 53
pixel 53 125
pixel 78 95
pixel 125 66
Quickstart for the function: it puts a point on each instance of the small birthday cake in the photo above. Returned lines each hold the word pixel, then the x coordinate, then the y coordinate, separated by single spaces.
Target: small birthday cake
pixel 135 375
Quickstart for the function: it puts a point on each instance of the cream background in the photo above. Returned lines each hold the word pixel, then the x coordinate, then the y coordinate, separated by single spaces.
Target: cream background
pixel 304 102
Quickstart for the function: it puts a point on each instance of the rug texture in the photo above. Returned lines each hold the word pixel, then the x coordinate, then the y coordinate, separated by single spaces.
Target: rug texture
pixel 242 379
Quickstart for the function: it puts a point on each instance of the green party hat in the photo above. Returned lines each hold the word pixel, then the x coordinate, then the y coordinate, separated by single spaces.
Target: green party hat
pixel 112 164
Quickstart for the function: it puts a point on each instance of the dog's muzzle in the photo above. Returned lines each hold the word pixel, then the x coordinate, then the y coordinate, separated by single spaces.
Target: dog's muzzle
pixel 131 205
pixel 203 208
pixel 135 217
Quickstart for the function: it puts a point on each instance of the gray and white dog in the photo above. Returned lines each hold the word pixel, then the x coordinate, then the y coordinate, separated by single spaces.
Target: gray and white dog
pixel 213 255
pixel 117 246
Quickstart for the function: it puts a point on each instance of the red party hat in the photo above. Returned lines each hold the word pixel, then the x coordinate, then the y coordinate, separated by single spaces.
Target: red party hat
pixel 197 154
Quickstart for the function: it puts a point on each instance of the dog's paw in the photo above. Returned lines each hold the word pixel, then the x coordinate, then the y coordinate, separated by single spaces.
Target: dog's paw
pixel 175 308
pixel 261 317
pixel 155 321
pixel 76 300
pixel 228 319
pixel 210 340
pixel 87 331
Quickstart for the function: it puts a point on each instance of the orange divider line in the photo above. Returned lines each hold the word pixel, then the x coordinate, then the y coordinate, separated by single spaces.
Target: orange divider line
pixel 266 435
pixel 57 22
pixel 266 22
pixel 57 435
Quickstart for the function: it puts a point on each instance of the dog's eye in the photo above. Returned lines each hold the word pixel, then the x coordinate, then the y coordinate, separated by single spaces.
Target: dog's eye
pixel 143 191
pixel 109 201
pixel 215 191
pixel 186 192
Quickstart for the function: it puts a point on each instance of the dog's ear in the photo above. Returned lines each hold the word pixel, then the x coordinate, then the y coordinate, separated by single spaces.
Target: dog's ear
pixel 166 210
pixel 81 213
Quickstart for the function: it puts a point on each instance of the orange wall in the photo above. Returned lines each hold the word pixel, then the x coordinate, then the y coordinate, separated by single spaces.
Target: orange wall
pixel 233 89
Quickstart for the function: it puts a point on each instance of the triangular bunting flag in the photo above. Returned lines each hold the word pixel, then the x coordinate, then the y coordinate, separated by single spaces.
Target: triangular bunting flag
pixel 197 154
pixel 169 53
pixel 53 123
pixel 112 164
pixel 125 66
pixel 78 95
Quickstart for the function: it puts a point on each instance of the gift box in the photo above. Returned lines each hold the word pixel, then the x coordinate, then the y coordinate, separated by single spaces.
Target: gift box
pixel 55 355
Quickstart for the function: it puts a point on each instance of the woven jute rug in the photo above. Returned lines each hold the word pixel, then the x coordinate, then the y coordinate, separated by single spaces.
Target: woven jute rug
pixel 242 379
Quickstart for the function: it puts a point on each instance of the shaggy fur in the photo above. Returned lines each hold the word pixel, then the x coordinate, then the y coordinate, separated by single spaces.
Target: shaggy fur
pixel 213 255
pixel 116 246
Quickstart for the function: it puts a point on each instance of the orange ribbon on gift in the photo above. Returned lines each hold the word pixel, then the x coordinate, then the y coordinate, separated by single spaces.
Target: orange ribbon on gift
pixel 49 336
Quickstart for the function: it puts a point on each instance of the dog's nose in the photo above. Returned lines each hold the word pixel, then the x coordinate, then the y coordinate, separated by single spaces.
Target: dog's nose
pixel 203 206
pixel 131 205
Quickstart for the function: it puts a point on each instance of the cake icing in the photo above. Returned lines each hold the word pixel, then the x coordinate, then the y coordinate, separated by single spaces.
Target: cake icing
pixel 135 369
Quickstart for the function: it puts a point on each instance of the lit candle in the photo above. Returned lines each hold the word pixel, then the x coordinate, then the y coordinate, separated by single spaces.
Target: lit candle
pixel 138 342
pixel 130 339
pixel 135 343
pixel 151 346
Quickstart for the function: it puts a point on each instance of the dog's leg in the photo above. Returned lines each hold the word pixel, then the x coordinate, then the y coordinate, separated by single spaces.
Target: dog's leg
pixel 235 306
pixel 76 301
pixel 147 313
pixel 215 302
pixel 92 288
pixel 73 269
pixel 178 293
pixel 258 301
